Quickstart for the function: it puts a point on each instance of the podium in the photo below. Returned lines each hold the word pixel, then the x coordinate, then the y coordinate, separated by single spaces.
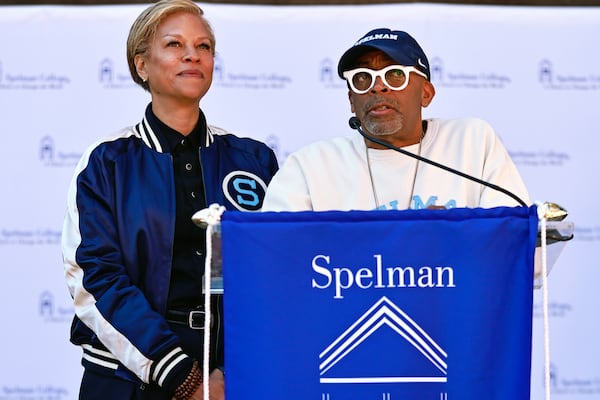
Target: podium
pixel 557 235
pixel 379 304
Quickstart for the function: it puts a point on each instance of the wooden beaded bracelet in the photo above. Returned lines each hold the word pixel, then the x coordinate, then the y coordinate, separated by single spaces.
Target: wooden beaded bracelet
pixel 190 384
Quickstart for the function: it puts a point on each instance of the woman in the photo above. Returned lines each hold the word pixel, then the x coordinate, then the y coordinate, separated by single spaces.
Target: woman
pixel 133 257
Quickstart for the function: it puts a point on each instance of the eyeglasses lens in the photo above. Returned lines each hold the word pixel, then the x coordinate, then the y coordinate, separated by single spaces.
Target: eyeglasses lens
pixel 394 78
pixel 362 80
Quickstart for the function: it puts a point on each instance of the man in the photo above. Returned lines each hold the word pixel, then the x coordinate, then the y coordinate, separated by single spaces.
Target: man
pixel 389 83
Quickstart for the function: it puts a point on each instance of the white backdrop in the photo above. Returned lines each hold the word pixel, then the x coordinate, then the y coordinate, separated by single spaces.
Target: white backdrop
pixel 534 73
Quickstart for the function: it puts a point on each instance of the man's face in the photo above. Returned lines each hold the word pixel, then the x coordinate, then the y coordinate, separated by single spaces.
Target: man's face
pixel 395 114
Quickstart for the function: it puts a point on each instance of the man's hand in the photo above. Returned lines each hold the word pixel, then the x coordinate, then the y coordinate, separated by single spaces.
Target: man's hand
pixel 216 387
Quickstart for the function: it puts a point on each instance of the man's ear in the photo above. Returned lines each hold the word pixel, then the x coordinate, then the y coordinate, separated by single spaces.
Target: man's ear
pixel 427 94
pixel 351 102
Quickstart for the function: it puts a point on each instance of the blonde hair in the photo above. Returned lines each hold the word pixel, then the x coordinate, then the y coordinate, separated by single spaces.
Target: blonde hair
pixel 144 28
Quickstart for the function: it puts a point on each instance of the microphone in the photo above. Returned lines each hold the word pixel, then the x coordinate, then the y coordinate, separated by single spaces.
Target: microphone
pixel 355 124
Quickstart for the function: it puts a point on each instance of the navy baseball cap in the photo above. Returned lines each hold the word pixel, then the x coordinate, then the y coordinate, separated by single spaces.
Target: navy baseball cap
pixel 399 45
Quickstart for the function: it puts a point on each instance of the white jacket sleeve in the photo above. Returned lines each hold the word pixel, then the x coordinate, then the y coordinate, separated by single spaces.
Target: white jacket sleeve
pixel 288 190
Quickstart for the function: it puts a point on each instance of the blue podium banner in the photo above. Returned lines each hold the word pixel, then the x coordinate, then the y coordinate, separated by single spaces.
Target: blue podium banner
pixel 415 304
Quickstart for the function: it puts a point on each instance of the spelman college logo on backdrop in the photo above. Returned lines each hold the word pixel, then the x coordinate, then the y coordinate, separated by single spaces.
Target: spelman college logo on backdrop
pixel 549 78
pixel 10 80
pixel 248 80
pixel 441 76
pixel 574 383
pixel 51 156
pixel 244 190
pixel 328 75
pixel 109 78
pixel 49 311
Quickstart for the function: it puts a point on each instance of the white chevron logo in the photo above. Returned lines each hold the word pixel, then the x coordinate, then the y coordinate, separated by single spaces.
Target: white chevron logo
pixel 384 312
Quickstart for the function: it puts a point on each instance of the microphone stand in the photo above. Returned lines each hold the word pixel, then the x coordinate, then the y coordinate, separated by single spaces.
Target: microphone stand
pixel 355 124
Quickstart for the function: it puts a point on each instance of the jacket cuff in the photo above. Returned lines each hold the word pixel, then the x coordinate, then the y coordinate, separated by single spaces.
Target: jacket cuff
pixel 170 371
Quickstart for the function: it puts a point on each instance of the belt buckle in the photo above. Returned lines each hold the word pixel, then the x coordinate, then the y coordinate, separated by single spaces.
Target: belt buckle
pixel 192 319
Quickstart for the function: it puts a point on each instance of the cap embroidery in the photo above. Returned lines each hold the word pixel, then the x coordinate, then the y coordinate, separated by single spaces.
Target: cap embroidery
pixel 377 36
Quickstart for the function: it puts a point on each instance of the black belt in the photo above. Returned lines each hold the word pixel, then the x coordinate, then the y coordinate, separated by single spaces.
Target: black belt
pixel 193 318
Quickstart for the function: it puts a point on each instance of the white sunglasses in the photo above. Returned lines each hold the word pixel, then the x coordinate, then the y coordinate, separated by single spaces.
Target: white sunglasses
pixel 361 80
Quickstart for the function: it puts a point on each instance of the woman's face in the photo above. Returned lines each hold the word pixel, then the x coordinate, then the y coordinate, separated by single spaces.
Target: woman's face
pixel 179 63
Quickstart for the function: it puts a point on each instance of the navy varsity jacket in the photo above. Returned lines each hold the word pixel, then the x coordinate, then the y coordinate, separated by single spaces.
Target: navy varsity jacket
pixel 118 237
